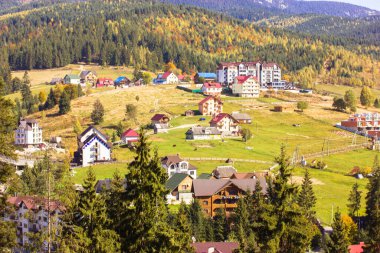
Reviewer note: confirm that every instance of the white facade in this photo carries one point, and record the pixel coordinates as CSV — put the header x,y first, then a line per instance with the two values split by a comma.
x,y
28,133
30,218
93,147
171,79
270,73
249,87
174,164
210,106
226,124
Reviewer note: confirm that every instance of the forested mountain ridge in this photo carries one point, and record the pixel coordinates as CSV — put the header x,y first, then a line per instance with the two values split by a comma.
x,y
284,6
149,34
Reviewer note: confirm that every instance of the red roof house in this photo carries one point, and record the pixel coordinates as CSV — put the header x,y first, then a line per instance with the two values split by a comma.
x,y
210,106
130,136
104,82
160,119
212,89
226,124
215,247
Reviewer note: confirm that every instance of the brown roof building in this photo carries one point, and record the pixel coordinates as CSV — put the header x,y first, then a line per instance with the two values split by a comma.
x,y
224,193
215,247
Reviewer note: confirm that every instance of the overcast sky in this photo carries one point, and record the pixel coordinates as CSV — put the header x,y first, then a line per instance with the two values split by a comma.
x,y
373,4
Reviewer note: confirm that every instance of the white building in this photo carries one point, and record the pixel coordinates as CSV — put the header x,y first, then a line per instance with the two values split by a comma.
x,y
246,86
210,106
270,72
93,146
227,71
28,133
203,133
264,72
166,78
30,214
174,164
226,124
212,89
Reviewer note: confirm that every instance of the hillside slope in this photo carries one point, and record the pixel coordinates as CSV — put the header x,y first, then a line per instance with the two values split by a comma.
x,y
148,35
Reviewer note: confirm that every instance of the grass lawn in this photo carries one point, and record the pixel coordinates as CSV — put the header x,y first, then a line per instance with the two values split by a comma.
x,y
101,171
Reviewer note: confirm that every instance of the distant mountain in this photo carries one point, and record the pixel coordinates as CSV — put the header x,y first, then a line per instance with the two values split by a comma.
x,y
284,7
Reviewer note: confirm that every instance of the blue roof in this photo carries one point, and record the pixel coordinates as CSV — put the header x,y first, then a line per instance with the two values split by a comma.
x,y
207,75
120,78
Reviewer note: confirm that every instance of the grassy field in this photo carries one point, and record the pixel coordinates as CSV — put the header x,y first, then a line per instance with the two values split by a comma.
x,y
270,130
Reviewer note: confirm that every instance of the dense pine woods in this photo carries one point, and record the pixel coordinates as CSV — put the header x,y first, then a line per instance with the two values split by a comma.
x,y
148,35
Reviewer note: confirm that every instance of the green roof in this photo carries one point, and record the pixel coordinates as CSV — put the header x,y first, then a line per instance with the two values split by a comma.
x,y
175,180
73,76
204,176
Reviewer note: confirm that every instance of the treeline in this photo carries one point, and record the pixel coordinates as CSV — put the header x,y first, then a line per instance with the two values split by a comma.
x,y
149,35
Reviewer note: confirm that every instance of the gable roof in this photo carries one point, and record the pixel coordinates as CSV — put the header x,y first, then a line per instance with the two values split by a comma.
x,y
130,133
89,129
243,175
72,76
121,78
84,73
221,116
166,74
35,203
208,98
224,171
207,75
103,184
212,85
158,117
175,180
174,159
201,130
220,247
241,116
208,187
243,79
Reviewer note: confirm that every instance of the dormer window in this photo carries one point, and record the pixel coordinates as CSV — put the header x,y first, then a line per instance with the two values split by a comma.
x,y
183,166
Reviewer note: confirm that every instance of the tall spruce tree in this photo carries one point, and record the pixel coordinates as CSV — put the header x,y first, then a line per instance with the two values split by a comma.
x,y
97,114
354,201
220,225
306,197
197,220
64,103
373,208
338,241
182,225
50,101
146,225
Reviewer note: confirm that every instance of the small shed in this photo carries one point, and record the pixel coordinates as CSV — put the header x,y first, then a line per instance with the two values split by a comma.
x,y
161,128
281,108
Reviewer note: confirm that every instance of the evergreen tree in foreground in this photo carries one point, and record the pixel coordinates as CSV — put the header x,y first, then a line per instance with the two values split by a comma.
x,y
373,208
306,197
146,220
338,241
354,201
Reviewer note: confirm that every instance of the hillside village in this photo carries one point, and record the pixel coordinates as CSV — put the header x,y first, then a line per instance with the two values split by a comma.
x,y
153,126
223,185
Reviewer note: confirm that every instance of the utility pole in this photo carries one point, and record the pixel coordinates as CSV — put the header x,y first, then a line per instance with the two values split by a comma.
x,y
49,225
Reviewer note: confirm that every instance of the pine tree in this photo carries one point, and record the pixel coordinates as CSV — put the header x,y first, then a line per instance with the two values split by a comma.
x,y
97,114
197,220
182,225
64,103
50,101
26,79
373,207
338,241
376,103
354,201
146,225
119,129
220,225
306,197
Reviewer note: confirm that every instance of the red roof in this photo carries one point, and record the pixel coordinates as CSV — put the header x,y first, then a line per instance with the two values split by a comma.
x,y
34,203
166,74
269,64
242,79
130,133
181,77
221,116
158,117
212,85
357,248
222,247
208,98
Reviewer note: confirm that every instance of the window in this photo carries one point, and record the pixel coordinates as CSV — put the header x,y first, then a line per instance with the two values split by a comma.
x,y
45,219
184,187
191,172
25,225
205,202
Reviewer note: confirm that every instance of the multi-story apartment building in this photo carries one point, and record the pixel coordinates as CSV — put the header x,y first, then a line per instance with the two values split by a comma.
x,y
31,215
210,106
270,73
28,133
246,86
264,72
